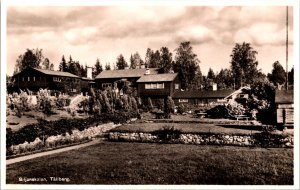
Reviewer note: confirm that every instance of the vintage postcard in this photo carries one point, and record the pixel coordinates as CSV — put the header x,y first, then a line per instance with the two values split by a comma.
x,y
150,95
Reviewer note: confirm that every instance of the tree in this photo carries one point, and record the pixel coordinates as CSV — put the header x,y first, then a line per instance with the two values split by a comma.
x,y
107,66
291,76
97,68
46,63
148,58
74,67
277,77
63,66
51,67
30,59
224,79
186,64
136,61
165,60
211,74
152,59
243,64
121,62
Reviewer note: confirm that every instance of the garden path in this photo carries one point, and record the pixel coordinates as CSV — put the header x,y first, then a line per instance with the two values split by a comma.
x,y
32,156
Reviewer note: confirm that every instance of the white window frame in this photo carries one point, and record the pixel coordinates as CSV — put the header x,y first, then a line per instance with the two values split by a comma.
x,y
154,86
147,86
183,100
176,86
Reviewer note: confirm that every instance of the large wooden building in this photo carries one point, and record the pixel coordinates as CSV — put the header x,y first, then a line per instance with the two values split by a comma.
x,y
284,100
34,79
200,97
108,78
158,86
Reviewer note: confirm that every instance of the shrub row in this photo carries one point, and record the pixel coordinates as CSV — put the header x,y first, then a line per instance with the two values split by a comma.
x,y
44,129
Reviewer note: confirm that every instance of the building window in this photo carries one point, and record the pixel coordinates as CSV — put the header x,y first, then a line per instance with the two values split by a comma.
x,y
28,79
57,79
105,85
183,100
23,79
154,86
33,78
176,86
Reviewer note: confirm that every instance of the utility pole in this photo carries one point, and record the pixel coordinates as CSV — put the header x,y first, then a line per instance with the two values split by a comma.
x,y
287,46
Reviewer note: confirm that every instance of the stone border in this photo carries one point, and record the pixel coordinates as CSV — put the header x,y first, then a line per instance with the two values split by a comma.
x,y
207,139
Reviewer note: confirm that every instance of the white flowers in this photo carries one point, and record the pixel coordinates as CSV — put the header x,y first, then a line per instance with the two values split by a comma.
x,y
58,140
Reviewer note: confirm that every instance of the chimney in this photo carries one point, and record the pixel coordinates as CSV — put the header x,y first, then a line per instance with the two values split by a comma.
x,y
147,72
215,87
89,72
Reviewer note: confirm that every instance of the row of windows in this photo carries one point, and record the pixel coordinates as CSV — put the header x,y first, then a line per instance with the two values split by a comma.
x,y
154,86
31,78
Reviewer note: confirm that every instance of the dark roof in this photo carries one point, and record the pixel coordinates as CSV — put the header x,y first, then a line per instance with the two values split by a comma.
x,y
158,77
202,94
54,73
284,96
57,73
125,73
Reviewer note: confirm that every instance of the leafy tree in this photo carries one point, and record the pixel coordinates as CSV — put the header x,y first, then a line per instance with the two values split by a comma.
x,y
46,63
30,59
165,60
121,62
277,77
152,59
224,79
186,64
148,58
243,64
97,68
291,76
63,66
107,66
136,61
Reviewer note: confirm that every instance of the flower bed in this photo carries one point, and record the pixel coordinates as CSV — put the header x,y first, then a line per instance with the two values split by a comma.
x,y
48,134
51,142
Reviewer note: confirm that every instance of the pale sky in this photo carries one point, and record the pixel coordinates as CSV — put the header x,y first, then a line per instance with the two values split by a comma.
x,y
88,33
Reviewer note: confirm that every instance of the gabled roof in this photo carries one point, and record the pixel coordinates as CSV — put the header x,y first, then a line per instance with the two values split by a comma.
x,y
53,73
125,73
57,73
158,77
284,96
202,94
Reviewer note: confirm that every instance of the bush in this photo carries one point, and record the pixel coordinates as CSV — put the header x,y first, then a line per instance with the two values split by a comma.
x,y
167,134
181,109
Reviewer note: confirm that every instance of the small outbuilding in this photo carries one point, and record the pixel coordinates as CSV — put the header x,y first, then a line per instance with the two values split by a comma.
x,y
284,100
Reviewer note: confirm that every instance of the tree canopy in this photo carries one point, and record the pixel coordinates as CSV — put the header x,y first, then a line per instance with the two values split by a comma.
x,y
30,59
277,76
121,62
186,64
243,64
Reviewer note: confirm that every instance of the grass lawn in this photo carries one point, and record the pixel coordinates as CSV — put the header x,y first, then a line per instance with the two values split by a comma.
x,y
141,163
184,127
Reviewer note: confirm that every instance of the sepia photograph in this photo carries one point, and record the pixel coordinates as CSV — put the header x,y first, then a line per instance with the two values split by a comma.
x,y
196,94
